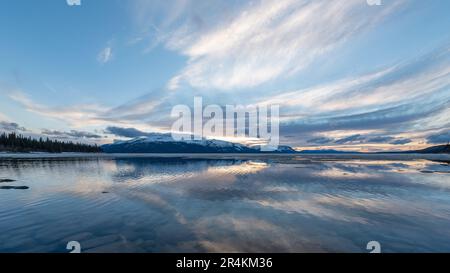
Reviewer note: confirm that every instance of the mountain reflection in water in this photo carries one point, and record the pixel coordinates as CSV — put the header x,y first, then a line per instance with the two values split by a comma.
x,y
184,204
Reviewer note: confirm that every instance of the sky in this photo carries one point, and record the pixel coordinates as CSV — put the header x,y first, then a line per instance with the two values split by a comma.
x,y
346,75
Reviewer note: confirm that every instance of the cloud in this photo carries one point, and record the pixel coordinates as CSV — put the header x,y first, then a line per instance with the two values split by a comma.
x,y
441,138
266,40
71,133
360,139
381,139
401,141
389,140
11,126
3,117
320,140
424,77
412,96
394,121
125,132
141,108
105,55
141,112
75,115
351,139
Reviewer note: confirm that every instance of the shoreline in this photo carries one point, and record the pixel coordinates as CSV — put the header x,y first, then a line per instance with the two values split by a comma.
x,y
336,156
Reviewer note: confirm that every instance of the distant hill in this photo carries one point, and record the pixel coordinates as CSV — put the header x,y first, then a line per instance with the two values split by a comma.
x,y
281,149
326,152
163,143
440,149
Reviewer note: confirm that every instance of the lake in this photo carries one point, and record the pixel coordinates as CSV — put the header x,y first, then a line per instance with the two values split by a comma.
x,y
224,203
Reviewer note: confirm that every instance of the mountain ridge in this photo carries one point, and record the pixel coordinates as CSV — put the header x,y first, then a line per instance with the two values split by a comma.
x,y
164,143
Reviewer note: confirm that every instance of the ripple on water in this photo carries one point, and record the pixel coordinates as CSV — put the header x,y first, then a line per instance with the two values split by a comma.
x,y
215,205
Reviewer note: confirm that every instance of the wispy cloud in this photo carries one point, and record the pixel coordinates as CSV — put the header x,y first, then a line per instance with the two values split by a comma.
x,y
410,97
11,126
401,141
137,113
3,117
267,40
71,133
350,139
75,116
407,97
125,132
360,139
440,138
320,140
105,55
426,76
234,45
381,139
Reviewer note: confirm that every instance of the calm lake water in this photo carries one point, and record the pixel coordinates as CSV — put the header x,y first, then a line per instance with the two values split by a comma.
x,y
229,204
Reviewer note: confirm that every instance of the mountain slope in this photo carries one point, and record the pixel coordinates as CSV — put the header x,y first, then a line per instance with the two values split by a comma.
x,y
163,143
440,149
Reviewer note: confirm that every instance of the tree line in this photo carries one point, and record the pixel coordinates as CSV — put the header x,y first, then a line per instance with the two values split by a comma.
x,y
18,143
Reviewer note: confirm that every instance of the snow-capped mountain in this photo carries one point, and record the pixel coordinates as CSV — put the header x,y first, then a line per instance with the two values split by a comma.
x,y
281,149
164,143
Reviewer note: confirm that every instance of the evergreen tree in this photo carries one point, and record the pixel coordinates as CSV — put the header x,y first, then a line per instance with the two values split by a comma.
x,y
19,143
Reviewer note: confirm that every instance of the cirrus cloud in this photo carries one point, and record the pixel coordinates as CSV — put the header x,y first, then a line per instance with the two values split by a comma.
x,y
105,55
71,133
11,126
440,138
268,40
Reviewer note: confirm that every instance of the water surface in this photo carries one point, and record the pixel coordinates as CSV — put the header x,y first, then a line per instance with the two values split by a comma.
x,y
228,204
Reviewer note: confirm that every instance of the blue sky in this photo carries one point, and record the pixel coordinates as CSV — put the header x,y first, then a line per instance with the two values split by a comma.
x,y
345,74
